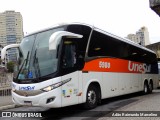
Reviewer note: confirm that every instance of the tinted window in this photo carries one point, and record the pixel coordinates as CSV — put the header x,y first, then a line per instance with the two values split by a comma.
x,y
103,45
107,46
82,30
140,55
69,56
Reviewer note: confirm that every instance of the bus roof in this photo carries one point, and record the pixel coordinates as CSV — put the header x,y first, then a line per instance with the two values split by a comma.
x,y
97,29
124,40
58,25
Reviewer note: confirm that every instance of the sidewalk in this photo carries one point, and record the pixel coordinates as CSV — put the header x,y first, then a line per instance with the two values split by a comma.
x,y
5,90
6,102
148,103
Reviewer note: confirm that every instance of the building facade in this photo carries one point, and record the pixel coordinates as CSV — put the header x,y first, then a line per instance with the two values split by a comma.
x,y
141,37
135,38
11,30
155,6
156,48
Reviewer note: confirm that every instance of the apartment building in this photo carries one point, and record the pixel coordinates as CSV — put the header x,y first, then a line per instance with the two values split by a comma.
x,y
134,38
11,30
141,37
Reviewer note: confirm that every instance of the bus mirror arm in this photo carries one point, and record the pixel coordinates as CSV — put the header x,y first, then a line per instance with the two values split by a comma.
x,y
55,38
4,50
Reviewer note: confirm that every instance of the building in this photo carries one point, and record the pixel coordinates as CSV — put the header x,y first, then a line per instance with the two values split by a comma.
x,y
11,30
134,38
141,37
156,48
144,36
155,6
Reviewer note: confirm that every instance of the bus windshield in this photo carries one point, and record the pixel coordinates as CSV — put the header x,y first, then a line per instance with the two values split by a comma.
x,y
35,60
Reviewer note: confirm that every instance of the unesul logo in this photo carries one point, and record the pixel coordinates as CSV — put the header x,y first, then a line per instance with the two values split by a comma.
x,y
27,88
138,67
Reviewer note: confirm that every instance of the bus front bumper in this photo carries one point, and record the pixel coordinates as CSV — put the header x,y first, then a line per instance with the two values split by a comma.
x,y
51,99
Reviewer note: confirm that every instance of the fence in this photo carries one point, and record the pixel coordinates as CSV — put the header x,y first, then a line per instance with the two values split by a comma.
x,y
5,88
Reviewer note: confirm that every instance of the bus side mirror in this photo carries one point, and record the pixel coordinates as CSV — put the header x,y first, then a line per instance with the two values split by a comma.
x,y
4,50
55,38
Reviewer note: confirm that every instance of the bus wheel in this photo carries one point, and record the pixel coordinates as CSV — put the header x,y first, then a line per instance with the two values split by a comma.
x,y
91,98
150,87
146,88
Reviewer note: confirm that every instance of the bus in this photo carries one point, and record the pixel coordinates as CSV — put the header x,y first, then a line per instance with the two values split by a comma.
x,y
77,63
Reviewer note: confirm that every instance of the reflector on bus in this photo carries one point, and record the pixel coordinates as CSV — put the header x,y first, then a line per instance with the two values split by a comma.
x,y
55,38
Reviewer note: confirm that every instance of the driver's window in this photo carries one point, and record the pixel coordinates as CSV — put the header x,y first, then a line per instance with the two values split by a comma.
x,y
69,56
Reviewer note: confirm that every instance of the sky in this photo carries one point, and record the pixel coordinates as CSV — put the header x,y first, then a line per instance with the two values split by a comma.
x,y
120,17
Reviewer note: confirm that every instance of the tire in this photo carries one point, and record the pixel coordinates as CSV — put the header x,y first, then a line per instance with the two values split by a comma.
x,y
150,86
146,88
91,98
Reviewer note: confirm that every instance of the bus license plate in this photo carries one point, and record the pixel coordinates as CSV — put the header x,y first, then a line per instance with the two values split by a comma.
x,y
28,103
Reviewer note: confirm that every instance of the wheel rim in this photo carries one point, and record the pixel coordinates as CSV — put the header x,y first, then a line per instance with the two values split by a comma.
x,y
92,97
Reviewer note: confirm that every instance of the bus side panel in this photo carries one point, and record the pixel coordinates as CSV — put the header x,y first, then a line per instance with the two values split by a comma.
x,y
115,84
80,86
70,89
124,83
109,84
136,82
156,81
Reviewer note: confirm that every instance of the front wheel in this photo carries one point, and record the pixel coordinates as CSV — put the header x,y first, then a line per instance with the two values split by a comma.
x,y
91,98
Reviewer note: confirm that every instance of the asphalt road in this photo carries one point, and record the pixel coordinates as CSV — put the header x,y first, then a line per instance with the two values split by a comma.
x,y
131,102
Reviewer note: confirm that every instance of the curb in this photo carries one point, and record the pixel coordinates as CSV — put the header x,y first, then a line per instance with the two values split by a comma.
x,y
7,107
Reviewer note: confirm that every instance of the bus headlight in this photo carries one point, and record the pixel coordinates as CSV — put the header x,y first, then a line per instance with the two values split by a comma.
x,y
51,87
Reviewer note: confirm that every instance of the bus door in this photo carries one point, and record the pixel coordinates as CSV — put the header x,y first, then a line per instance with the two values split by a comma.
x,y
70,73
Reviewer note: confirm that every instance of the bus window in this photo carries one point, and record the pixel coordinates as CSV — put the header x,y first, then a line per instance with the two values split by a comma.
x,y
69,58
107,46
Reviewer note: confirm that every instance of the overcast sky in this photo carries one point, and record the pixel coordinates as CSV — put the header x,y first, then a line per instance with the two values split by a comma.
x,y
120,17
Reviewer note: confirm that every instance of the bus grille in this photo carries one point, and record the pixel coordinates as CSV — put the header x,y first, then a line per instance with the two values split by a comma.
x,y
28,93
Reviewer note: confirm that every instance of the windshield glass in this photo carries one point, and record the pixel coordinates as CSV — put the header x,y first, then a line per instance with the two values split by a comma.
x,y
35,60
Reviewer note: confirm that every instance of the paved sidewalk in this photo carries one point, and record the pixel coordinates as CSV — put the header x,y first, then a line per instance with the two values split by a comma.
x,y
6,102
148,103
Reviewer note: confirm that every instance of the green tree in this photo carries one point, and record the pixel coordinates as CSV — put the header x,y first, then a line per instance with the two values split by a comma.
x,y
10,66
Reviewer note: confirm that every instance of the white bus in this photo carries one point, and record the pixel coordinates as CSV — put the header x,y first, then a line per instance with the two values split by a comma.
x,y
77,63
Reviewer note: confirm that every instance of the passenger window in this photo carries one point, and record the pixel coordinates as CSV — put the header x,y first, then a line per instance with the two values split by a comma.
x,y
104,45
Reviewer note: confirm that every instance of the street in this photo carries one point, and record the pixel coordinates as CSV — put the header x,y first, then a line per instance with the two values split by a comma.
x,y
131,102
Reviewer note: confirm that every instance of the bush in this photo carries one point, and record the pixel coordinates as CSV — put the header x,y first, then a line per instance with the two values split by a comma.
x,y
10,66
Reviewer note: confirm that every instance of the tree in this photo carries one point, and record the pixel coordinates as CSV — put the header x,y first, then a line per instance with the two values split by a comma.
x,y
10,66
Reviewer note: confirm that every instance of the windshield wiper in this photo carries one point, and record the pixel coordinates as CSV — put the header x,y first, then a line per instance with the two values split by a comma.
x,y
36,65
25,61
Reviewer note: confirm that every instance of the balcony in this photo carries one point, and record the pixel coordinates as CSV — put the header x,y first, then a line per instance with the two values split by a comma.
x,y
155,6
